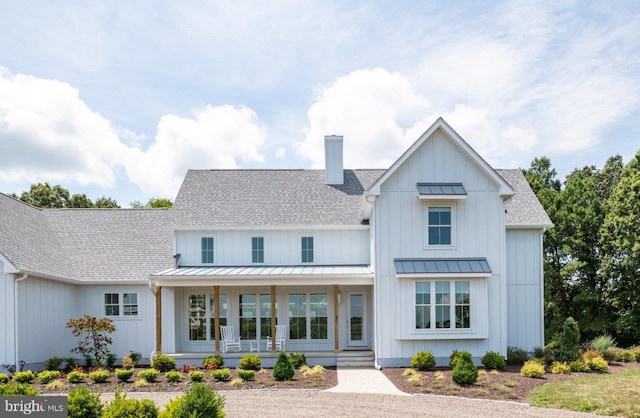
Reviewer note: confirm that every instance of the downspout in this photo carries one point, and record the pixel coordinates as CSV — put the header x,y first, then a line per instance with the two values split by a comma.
x,y
15,320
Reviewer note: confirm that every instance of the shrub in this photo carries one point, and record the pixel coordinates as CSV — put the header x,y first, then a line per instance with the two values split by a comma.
x,y
130,408
589,354
636,353
48,376
135,357
516,355
81,403
94,339
149,375
560,368
246,374
111,360
173,376
297,360
212,362
312,371
626,356
532,368
127,363
453,358
140,383
568,341
250,362
199,402
99,376
71,363
603,342
196,376
493,360
4,378
124,375
423,360
24,377
55,384
163,363
221,375
546,353
283,370
578,366
611,354
464,372
53,363
598,363
76,377
18,389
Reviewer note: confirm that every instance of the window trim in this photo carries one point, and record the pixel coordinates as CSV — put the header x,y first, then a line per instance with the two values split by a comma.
x,y
451,303
308,317
121,305
453,207
313,249
213,250
209,315
257,251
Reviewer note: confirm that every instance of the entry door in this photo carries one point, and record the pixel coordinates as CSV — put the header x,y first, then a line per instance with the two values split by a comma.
x,y
356,324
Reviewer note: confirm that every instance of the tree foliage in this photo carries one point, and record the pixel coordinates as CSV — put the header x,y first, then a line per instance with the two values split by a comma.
x,y
161,202
94,337
45,196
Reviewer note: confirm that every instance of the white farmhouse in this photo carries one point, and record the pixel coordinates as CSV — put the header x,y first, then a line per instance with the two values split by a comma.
x,y
440,252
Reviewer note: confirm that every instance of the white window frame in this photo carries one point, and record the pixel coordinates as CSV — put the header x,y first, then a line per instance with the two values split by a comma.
x,y
315,247
256,251
451,303
208,317
213,237
452,206
121,305
310,316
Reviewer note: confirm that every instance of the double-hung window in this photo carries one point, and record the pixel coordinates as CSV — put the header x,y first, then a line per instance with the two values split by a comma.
x,y
308,316
121,304
307,249
439,225
206,247
202,316
257,249
443,304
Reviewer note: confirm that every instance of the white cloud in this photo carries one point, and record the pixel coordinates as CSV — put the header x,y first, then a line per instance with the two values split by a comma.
x,y
281,152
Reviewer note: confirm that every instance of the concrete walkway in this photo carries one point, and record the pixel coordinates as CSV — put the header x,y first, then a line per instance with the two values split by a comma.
x,y
364,381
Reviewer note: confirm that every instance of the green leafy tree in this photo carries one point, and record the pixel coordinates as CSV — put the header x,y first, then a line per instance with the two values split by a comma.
x,y
567,348
94,336
621,261
106,202
161,202
42,195
79,201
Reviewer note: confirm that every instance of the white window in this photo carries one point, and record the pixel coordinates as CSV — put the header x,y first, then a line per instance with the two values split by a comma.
x,y
450,308
201,307
121,304
440,226
206,249
253,313
307,249
257,249
308,316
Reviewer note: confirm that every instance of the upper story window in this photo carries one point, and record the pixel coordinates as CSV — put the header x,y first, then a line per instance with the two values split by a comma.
x,y
307,249
207,250
440,226
257,249
121,304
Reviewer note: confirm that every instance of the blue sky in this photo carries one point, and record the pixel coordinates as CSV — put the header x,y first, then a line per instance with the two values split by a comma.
x,y
121,98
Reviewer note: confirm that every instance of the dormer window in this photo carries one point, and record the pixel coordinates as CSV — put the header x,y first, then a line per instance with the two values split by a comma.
x,y
206,247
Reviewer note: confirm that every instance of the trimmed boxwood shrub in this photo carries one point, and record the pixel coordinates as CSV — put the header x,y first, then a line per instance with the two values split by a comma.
x,y
4,378
131,408
23,377
124,375
76,377
246,374
199,402
297,360
18,389
464,372
48,376
54,363
516,355
532,368
163,363
283,370
212,362
196,376
173,376
221,375
99,376
149,375
81,403
493,360
250,362
423,360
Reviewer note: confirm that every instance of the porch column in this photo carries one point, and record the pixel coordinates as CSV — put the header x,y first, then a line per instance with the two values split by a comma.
x,y
158,319
273,318
216,321
336,308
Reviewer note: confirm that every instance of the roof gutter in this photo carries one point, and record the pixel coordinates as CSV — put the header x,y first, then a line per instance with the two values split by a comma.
x,y
15,321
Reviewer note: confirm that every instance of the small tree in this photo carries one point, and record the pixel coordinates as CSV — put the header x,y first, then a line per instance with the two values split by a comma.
x,y
283,370
464,372
568,342
94,336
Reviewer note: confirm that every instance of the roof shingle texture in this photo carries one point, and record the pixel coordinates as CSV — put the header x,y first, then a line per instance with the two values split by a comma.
x,y
524,208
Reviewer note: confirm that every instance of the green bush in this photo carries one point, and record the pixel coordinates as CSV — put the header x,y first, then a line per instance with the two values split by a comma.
x,y
149,375
131,408
516,355
54,363
221,375
546,353
173,376
48,376
603,342
611,354
627,356
464,372
124,375
246,374
111,360
493,360
532,368
199,402
99,376
423,360
283,370
598,364
135,357
568,342
196,376
76,377
18,389
453,358
23,377
213,362
297,360
4,378
636,353
81,403
578,366
250,362
163,363
71,363
560,368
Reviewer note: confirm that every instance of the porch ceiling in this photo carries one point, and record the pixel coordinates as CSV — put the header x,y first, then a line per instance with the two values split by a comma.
x,y
265,275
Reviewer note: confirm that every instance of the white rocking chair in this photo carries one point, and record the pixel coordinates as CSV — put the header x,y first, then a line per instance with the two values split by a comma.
x,y
228,339
281,338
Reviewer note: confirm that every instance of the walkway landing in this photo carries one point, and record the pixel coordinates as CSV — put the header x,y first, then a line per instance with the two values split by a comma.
x,y
364,381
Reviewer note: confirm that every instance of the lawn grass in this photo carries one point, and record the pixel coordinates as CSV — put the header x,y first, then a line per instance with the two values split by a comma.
x,y
606,394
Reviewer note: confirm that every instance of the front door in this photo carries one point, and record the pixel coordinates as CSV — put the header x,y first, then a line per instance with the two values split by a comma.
x,y
356,325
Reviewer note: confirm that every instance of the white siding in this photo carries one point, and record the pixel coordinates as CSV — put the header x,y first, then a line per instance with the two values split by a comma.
x,y
525,292
233,248
399,226
7,354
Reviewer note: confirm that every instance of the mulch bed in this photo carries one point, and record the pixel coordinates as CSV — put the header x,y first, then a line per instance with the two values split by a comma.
x,y
263,380
505,384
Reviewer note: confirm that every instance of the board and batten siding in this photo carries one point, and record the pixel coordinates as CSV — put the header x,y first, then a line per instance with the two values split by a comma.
x,y
7,353
400,232
233,248
525,289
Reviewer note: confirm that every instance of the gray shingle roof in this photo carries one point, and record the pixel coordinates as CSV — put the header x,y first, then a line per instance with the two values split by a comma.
x,y
524,208
270,198
441,265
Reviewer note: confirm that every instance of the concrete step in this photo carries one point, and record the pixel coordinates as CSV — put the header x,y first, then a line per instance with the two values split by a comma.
x,y
356,364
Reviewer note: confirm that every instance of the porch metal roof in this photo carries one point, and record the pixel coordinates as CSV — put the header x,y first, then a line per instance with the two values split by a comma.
x,y
420,267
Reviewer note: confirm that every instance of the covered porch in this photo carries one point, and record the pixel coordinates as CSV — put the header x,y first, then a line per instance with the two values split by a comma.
x,y
327,311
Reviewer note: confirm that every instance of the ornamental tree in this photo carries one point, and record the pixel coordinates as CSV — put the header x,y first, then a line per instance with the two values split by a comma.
x,y
93,333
